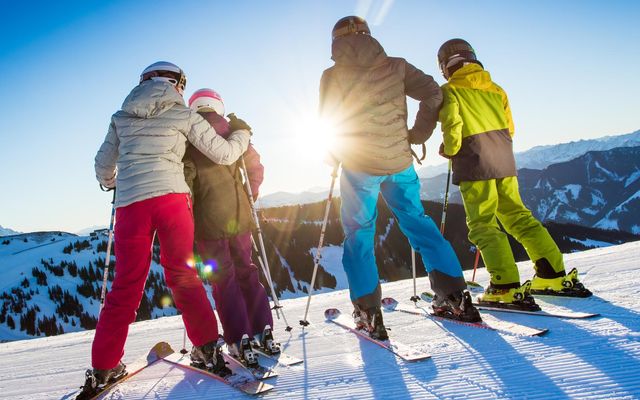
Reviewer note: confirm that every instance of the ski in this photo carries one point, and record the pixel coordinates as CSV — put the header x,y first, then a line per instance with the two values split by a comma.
x,y
403,351
281,358
549,312
157,352
489,322
259,372
246,383
541,313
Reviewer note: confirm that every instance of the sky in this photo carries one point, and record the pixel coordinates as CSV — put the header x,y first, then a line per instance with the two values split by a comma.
x,y
569,67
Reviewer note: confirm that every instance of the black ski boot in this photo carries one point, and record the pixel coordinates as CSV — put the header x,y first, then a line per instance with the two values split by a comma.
x,y
243,352
209,357
97,379
456,306
370,320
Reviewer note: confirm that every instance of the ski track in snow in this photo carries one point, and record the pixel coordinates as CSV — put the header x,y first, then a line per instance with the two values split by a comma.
x,y
578,359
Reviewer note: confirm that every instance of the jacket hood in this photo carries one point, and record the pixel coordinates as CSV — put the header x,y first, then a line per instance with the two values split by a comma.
x,y
357,50
151,98
471,76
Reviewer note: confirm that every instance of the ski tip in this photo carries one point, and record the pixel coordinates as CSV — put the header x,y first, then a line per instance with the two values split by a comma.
x,y
426,296
331,313
389,303
160,350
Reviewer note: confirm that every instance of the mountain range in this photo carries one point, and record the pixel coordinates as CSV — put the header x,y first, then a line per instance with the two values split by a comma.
x,y
539,157
50,282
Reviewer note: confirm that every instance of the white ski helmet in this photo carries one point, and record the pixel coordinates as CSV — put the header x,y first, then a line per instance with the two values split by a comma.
x,y
207,100
167,72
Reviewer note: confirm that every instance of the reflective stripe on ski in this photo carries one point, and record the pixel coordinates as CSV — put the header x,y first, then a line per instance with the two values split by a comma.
x,y
245,383
157,352
489,322
403,351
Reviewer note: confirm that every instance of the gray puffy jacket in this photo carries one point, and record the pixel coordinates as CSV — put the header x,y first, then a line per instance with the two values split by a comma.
x,y
146,142
364,94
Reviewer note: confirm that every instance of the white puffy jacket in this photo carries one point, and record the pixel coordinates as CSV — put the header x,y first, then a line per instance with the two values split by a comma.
x,y
147,139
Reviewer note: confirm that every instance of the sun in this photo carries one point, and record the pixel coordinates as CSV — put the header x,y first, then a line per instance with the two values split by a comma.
x,y
314,135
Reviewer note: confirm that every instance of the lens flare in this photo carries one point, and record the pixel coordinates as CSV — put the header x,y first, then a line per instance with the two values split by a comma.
x,y
166,301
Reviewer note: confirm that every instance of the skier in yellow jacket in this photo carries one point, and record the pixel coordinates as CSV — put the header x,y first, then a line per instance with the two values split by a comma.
x,y
477,136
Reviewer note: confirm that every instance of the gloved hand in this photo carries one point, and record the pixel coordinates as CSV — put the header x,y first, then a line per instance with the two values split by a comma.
x,y
236,123
109,183
442,153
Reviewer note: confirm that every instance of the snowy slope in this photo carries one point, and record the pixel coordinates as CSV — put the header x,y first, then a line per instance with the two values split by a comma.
x,y
581,359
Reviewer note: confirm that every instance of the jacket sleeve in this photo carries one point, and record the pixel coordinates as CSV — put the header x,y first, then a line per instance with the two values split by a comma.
x,y
507,111
423,88
105,160
255,170
451,123
218,149
190,170
328,105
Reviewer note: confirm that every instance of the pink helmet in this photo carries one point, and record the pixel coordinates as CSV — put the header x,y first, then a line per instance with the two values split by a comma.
x,y
207,100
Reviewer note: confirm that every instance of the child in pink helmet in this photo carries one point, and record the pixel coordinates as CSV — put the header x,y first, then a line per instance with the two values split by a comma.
x,y
223,221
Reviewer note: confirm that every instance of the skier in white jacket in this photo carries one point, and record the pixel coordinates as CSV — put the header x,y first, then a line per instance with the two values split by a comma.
x,y
142,156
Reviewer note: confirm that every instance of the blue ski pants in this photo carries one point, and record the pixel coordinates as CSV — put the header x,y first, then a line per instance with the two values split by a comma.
x,y
401,191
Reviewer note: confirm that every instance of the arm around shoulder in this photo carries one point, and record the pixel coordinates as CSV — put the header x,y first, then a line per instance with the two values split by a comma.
x,y
215,147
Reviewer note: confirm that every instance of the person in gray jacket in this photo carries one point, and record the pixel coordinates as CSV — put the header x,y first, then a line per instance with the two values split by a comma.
x,y
142,156
365,96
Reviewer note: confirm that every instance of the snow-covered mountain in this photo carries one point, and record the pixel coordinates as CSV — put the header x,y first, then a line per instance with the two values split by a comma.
x,y
540,157
598,189
289,198
7,231
578,359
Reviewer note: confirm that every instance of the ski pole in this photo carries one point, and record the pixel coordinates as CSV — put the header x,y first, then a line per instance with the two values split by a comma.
x,y
415,297
316,262
446,201
267,272
107,260
475,265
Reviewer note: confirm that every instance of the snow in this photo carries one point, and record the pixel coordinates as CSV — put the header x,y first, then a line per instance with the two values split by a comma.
x,y
331,261
632,178
578,359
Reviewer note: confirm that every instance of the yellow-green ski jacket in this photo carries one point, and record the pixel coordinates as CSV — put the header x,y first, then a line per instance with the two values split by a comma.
x,y
477,126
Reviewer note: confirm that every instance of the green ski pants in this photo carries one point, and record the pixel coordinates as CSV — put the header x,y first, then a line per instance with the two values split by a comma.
x,y
490,201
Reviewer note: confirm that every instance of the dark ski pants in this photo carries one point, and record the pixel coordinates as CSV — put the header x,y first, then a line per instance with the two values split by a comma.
x,y
241,300
401,191
171,218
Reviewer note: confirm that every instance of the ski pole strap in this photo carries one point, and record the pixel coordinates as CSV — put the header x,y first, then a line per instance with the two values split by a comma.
x,y
424,154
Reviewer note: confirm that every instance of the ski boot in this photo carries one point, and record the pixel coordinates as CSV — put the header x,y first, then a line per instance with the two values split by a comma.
x,y
266,343
97,379
568,286
371,321
456,306
209,357
243,352
512,298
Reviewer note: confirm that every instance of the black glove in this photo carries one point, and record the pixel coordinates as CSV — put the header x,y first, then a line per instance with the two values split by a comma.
x,y
441,152
236,123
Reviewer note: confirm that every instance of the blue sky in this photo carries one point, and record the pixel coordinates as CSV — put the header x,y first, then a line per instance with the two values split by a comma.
x,y
570,69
